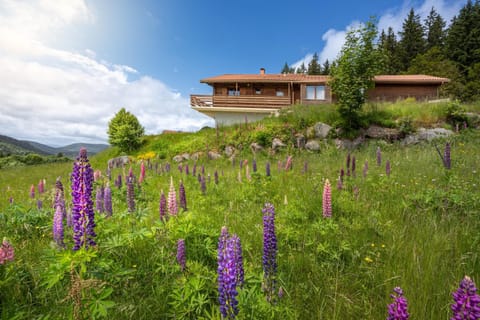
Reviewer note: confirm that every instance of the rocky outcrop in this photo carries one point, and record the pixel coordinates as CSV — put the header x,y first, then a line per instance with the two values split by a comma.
x,y
321,130
426,135
312,145
213,155
229,151
349,144
256,147
277,144
376,132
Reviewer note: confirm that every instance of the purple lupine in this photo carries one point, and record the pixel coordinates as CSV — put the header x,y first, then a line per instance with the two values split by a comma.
x,y
181,257
142,172
118,182
130,192
32,191
365,169
215,177
379,156
107,201
327,200
203,185
254,165
267,169
58,225
269,252
199,178
194,170
99,199
387,168
238,257
447,162
227,276
339,183
163,207
348,164
182,196
39,204
180,168
172,199
167,167
59,199
342,174
10,200
397,310
187,171
83,216
7,253
354,165
203,169
466,301
241,164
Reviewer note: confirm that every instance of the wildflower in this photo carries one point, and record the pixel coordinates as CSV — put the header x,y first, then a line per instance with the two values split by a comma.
x,y
339,183
180,168
281,292
181,258
99,199
446,157
327,200
354,165
342,174
39,204
107,201
142,172
130,192
368,260
254,165
97,174
194,171
163,206
32,191
397,310
379,156
58,225
118,182
6,252
203,185
215,176
187,171
269,251
387,168
227,276
167,167
59,199
267,169
466,301
10,200
238,258
41,186
172,199
348,164
288,164
82,211
182,196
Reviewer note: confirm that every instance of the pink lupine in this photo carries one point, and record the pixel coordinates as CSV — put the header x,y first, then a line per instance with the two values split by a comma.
x,y
6,252
327,200
142,172
32,191
172,199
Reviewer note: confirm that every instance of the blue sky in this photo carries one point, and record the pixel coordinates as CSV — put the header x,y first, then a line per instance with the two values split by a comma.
x,y
66,67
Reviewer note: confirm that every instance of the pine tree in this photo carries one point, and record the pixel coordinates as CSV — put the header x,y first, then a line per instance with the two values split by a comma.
x,y
463,37
326,67
435,30
412,41
285,69
389,47
301,69
314,67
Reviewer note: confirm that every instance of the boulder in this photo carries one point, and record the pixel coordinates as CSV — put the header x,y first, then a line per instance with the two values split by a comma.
x,y
435,133
229,151
178,158
321,130
213,155
377,132
349,144
312,145
186,156
277,144
196,155
255,147
410,139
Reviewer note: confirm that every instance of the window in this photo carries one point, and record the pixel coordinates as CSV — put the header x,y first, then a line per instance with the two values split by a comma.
x,y
279,93
258,91
315,93
233,92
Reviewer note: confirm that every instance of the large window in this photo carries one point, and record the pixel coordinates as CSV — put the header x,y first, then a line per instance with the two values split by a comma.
x,y
315,93
233,92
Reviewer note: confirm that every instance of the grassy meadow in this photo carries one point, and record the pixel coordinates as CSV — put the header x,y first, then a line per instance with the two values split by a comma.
x,y
416,228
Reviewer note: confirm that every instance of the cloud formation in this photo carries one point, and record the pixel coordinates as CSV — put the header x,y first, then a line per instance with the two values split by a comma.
x,y
55,96
334,39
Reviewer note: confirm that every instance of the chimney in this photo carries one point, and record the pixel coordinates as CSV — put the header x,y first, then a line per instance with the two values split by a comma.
x,y
262,71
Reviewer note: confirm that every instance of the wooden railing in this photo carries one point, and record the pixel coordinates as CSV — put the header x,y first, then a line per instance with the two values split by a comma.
x,y
253,101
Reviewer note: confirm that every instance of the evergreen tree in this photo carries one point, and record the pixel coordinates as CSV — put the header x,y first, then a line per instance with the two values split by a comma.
x,y
301,69
124,131
435,30
285,69
463,37
314,67
389,47
326,67
412,41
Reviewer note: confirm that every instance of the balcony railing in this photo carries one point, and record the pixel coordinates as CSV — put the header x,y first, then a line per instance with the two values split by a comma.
x,y
253,101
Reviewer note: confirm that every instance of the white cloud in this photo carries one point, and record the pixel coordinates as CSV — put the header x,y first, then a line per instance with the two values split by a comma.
x,y
334,39
56,96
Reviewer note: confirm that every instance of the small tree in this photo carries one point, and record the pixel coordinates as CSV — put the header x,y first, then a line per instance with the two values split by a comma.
x,y
353,73
124,131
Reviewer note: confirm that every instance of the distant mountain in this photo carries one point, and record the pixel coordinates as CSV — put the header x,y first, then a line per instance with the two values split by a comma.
x,y
9,146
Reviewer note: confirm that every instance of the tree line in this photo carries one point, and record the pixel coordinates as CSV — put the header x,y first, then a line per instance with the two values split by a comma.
x,y
428,47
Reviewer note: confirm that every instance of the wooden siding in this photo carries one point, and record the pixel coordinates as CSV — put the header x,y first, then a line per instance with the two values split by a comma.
x,y
394,92
252,101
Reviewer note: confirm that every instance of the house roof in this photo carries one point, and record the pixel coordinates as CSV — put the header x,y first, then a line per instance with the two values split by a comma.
x,y
303,78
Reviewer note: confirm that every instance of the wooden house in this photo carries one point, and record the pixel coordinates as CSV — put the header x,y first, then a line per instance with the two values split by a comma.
x,y
240,97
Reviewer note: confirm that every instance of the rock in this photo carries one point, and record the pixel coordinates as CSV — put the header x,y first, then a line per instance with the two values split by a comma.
x,y
410,139
186,156
312,145
229,151
349,144
255,147
213,155
196,155
118,162
277,144
435,133
178,158
321,130
300,140
377,132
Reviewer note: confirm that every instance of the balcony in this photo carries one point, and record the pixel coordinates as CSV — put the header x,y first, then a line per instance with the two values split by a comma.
x,y
250,101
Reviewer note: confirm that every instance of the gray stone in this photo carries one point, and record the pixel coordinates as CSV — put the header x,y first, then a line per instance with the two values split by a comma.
x,y
321,130
377,132
178,158
312,145
410,139
229,151
186,156
213,155
277,144
435,133
255,147
118,162
195,156
349,144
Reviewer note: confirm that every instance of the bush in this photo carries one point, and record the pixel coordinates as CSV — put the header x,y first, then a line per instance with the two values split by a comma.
x,y
124,131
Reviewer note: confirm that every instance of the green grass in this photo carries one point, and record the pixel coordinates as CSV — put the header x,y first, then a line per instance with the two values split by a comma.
x,y
417,228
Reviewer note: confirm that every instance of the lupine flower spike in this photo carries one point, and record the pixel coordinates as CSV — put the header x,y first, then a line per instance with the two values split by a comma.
x,y
354,165
142,172
99,199
447,162
58,225
379,156
327,200
397,310
269,252
182,196
107,201
83,217
32,191
163,207
130,192
172,199
215,176
466,303
254,165
267,169
6,252
181,258
39,204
